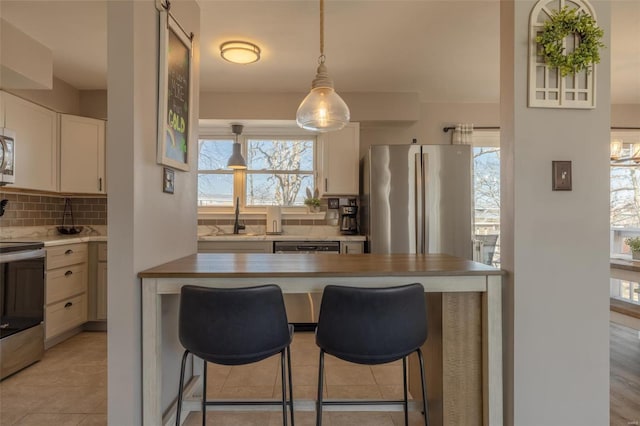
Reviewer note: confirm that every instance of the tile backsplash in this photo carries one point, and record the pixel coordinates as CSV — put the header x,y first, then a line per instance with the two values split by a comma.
x,y
46,210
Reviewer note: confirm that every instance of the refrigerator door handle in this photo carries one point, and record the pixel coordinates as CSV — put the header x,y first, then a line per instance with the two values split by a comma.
x,y
419,203
425,203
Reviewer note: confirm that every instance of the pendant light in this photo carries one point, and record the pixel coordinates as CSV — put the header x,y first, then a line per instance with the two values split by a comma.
x,y
236,161
323,110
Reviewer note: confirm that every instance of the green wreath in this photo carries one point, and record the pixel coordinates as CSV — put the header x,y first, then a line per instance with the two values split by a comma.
x,y
561,24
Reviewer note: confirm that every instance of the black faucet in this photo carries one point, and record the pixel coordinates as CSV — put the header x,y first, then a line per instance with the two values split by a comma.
x,y
237,227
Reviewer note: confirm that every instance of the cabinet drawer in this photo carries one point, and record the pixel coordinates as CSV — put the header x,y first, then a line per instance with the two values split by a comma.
x,y
102,252
65,315
66,282
70,254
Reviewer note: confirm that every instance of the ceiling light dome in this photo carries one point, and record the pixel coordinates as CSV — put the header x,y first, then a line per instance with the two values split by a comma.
x,y
239,52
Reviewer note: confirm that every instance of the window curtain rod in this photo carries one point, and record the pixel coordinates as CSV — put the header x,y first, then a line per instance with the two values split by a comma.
x,y
446,129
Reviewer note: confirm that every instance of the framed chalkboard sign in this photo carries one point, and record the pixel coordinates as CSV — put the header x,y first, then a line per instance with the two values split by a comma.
x,y
174,94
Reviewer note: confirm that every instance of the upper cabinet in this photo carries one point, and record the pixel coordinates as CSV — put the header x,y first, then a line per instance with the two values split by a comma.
x,y
340,152
36,143
82,155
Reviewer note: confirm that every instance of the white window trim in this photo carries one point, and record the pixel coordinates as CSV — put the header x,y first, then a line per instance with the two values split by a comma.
x,y
239,176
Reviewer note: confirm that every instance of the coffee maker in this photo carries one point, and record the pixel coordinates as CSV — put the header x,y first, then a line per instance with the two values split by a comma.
x,y
349,220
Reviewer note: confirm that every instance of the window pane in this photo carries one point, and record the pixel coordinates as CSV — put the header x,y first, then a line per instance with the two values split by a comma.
x,y
625,196
486,179
215,189
283,154
214,154
265,189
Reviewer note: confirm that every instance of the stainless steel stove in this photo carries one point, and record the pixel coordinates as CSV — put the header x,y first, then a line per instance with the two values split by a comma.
x,y
22,269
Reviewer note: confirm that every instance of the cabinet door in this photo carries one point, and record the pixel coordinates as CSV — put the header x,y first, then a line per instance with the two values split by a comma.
x,y
235,247
351,247
82,155
340,161
101,292
36,146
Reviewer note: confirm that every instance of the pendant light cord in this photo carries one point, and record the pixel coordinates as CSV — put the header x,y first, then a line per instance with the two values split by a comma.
x,y
321,58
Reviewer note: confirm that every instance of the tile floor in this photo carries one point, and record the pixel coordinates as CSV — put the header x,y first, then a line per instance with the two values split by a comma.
x,y
68,387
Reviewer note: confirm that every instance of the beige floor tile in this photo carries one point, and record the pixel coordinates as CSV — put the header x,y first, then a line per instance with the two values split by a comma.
x,y
351,374
244,392
393,392
51,419
261,373
9,417
387,374
302,418
355,419
94,420
354,392
415,418
216,377
221,418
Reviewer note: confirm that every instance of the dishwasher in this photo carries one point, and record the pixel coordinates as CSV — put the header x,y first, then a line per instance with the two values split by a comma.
x,y
303,308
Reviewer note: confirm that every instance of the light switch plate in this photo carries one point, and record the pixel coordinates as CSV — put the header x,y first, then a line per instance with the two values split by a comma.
x,y
561,175
168,180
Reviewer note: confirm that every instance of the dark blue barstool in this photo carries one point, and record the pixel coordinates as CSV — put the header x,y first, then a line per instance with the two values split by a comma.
x,y
372,326
235,326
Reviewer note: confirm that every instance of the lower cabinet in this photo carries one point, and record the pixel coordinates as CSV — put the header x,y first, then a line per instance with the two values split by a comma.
x,y
66,288
235,246
351,247
98,281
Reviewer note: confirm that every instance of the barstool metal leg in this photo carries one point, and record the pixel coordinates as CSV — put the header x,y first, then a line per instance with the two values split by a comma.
x,y
290,383
284,388
424,389
204,393
319,400
184,360
404,382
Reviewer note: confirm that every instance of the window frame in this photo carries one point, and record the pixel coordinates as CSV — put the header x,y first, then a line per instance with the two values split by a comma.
x,y
240,176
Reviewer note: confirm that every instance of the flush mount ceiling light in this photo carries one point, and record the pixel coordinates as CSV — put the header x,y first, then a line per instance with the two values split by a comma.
x,y
239,52
236,161
323,110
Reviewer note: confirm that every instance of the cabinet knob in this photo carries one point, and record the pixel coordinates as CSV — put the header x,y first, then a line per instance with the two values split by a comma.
x,y
68,305
68,252
100,184
66,274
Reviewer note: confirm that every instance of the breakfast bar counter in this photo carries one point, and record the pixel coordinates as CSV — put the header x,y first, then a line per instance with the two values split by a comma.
x,y
464,300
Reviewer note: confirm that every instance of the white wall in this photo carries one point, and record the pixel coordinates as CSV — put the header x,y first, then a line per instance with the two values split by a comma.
x,y
146,226
554,243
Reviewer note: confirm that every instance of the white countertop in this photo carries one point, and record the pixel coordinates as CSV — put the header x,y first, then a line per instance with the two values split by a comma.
x,y
281,237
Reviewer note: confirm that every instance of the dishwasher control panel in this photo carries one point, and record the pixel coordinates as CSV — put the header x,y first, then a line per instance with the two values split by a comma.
x,y
306,247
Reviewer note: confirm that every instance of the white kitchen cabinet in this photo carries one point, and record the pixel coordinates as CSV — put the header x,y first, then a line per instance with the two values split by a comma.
x,y
351,247
66,289
340,156
36,143
82,155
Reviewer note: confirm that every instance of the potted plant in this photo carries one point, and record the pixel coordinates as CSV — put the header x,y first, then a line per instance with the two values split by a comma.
x,y
312,201
634,245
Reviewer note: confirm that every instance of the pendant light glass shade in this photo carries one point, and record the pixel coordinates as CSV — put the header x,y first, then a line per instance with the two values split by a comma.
x,y
322,110
236,161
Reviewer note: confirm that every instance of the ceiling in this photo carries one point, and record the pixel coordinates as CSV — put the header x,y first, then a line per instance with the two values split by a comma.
x,y
446,50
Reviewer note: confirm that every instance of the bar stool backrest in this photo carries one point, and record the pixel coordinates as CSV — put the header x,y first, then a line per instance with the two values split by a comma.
x,y
372,325
233,326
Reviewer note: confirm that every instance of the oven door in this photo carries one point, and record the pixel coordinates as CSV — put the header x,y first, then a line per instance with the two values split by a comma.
x,y
21,310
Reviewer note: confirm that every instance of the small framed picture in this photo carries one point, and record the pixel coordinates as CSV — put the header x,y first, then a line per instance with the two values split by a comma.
x,y
561,175
168,180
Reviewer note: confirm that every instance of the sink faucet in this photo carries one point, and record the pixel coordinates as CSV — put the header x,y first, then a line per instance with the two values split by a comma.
x,y
236,225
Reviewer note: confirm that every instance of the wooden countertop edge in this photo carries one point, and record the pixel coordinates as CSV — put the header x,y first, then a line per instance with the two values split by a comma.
x,y
312,265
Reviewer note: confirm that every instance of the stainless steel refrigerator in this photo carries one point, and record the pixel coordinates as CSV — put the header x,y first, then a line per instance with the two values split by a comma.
x,y
418,199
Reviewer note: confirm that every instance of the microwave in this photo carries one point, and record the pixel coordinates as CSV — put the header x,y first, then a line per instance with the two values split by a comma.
x,y
7,156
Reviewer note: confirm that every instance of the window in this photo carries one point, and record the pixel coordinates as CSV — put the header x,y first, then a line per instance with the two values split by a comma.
x,y
625,190
279,169
486,190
